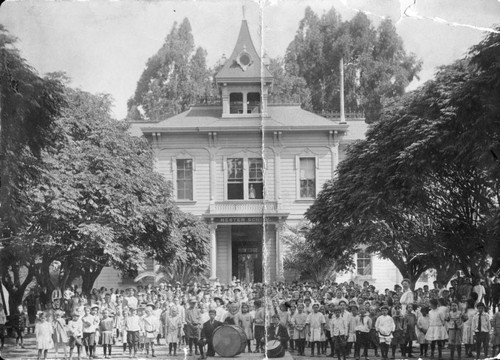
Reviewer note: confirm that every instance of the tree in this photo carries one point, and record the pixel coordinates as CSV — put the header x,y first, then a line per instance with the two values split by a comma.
x,y
377,67
288,88
174,78
425,173
29,105
307,260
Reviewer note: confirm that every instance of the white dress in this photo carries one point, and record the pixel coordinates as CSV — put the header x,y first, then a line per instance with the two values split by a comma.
x,y
43,333
437,329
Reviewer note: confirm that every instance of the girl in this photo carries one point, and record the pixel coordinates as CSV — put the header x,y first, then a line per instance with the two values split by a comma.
x,y
245,321
410,334
437,331
173,328
60,335
422,327
106,330
43,333
455,326
467,333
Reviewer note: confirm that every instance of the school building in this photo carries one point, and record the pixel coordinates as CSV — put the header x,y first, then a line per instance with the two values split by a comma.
x,y
248,167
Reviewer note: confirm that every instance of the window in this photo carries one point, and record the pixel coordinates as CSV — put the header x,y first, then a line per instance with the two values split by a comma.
x,y
255,183
236,103
307,177
253,103
235,179
184,179
244,179
364,264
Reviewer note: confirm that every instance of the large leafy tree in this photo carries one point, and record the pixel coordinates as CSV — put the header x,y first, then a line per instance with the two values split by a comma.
x,y
174,78
425,174
377,68
288,88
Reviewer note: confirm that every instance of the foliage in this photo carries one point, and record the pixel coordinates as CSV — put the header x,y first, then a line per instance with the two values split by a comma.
x,y
377,67
309,261
174,78
288,88
423,186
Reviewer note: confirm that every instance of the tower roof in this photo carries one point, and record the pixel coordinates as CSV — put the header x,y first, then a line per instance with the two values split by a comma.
x,y
244,64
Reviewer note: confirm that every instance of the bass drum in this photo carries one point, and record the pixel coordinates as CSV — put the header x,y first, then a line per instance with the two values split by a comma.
x,y
274,349
229,340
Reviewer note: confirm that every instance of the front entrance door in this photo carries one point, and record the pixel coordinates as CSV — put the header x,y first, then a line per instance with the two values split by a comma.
x,y
247,252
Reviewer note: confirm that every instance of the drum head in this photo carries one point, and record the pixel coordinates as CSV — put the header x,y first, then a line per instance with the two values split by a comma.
x,y
272,344
228,340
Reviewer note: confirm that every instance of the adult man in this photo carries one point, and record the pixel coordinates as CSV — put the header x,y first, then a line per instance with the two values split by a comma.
x,y
207,332
192,321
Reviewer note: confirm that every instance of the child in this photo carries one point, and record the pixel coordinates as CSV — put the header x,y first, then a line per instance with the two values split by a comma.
x,y
293,310
60,335
90,323
315,324
481,326
338,330
363,326
299,325
422,327
172,330
351,328
259,325
106,331
140,314
467,333
374,340
385,327
151,327
399,331
3,320
436,333
122,328
496,332
410,320
19,325
43,333
75,332
245,321
133,327
455,326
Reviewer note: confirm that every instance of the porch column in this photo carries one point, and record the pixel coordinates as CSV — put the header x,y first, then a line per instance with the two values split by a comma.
x,y
279,255
213,251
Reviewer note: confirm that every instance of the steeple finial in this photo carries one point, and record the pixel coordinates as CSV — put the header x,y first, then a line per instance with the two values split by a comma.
x,y
243,8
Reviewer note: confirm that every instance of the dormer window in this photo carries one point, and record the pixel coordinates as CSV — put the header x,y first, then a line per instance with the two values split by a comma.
x,y
236,103
253,103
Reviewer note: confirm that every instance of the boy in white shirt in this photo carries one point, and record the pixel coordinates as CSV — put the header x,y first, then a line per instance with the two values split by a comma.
x,y
385,327
75,332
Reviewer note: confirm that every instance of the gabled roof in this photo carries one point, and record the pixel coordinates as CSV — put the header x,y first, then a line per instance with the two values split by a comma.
x,y
233,72
208,118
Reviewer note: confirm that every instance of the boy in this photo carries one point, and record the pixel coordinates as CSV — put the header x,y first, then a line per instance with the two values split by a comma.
x,y
133,327
90,323
481,327
315,325
207,334
151,327
363,326
385,327
277,331
3,320
75,333
338,330
19,320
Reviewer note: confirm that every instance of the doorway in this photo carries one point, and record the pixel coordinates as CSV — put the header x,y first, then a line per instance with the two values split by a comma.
x,y
247,252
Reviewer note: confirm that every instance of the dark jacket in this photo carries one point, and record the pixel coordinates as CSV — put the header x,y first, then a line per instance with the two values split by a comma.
x,y
207,330
281,334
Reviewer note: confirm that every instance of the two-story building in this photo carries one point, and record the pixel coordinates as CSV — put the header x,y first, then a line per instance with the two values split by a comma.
x,y
248,167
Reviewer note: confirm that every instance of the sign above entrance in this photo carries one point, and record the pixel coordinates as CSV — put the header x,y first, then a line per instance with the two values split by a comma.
x,y
246,219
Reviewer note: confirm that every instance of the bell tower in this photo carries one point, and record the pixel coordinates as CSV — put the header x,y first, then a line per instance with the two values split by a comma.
x,y
244,80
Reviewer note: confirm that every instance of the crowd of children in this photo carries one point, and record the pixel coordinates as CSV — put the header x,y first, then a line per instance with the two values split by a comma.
x,y
327,319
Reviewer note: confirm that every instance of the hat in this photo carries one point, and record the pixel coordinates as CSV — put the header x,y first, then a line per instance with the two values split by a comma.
x,y
220,299
337,308
94,307
480,304
151,305
405,280
193,300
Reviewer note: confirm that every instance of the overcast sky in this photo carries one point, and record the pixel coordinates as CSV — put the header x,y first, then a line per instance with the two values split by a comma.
x,y
103,45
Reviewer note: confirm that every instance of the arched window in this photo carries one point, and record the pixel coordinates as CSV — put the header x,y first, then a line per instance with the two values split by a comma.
x,y
364,264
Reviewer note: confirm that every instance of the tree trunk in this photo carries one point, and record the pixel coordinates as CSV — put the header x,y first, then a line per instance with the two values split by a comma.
x,y
89,277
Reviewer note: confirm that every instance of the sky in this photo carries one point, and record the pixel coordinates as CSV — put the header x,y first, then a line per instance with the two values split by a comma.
x,y
103,45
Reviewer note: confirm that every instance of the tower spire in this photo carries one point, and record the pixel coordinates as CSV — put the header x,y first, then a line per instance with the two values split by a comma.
x,y
243,9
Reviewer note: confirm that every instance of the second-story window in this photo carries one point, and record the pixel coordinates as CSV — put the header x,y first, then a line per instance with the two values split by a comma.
x,y
235,179
236,103
184,179
253,103
255,180
307,178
